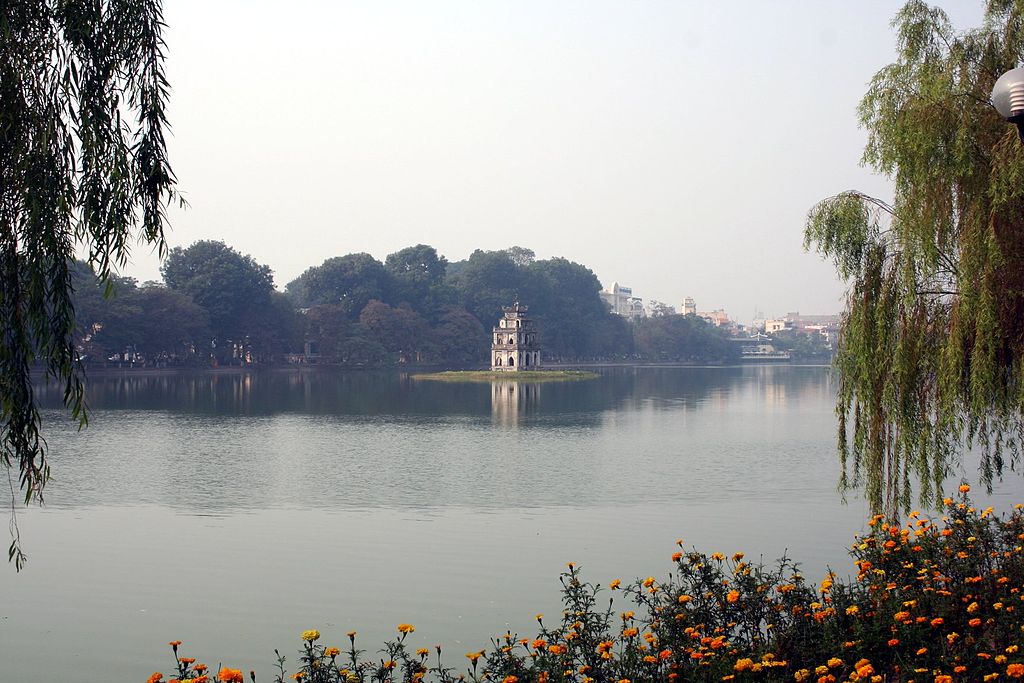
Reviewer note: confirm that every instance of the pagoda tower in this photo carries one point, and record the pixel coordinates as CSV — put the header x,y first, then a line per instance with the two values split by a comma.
x,y
514,344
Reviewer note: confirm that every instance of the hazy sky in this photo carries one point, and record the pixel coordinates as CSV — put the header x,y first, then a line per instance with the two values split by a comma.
x,y
673,146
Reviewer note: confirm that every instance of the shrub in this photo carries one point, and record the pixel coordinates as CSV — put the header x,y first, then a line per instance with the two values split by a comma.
x,y
933,600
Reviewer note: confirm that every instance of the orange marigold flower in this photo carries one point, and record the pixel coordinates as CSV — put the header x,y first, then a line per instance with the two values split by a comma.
x,y
615,584
558,649
1015,670
893,642
937,621
187,660
676,557
834,663
733,596
683,599
744,664
155,678
333,652
406,628
473,656
943,678
539,644
965,488
510,679
174,643
648,582
975,622
230,676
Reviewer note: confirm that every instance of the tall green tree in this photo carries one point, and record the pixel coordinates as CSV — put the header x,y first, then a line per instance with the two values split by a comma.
x,y
233,288
931,352
349,281
83,164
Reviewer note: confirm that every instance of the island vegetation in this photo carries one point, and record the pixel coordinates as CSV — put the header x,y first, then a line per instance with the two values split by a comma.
x,y
218,305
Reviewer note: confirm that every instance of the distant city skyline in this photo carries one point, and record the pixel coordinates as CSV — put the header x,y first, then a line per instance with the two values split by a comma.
x,y
672,147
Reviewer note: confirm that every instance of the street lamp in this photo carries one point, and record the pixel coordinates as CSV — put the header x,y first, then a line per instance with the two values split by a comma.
x,y
1008,98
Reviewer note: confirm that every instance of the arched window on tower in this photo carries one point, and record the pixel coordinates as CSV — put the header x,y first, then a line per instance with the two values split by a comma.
x,y
526,360
511,361
497,360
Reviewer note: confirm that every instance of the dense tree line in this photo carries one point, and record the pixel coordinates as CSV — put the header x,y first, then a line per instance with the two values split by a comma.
x,y
216,305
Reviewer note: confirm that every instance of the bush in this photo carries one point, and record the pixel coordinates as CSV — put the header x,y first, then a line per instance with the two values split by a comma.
x,y
933,600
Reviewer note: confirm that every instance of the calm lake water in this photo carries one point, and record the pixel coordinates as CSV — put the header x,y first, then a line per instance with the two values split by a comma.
x,y
232,511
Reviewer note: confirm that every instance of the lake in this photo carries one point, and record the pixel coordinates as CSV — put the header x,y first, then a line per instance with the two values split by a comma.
x,y
234,510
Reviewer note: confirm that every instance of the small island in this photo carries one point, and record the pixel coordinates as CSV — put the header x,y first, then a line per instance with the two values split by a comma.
x,y
520,376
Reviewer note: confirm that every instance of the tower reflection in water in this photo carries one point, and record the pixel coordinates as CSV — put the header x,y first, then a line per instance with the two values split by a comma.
x,y
512,401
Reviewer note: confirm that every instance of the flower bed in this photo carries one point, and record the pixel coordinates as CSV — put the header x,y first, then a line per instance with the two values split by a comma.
x,y
933,600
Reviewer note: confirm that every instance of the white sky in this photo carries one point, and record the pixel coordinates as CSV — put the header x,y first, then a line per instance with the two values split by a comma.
x,y
673,146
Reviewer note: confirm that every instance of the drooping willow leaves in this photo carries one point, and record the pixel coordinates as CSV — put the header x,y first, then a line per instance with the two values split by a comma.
x,y
931,344
83,164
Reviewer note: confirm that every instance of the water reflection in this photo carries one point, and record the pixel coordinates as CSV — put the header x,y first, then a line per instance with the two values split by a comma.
x,y
511,401
326,392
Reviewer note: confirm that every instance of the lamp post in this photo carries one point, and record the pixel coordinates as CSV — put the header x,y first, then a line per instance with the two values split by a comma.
x,y
1008,98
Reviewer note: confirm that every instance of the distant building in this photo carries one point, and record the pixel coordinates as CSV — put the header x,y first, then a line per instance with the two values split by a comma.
x,y
622,301
773,325
514,344
718,317
689,307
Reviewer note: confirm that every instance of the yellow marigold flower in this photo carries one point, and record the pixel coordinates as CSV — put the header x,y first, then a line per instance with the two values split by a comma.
x,y
423,652
310,635
683,599
226,675
834,663
615,584
718,556
852,610
390,664
743,664
626,616
558,649
821,670
648,582
801,675
406,628
473,656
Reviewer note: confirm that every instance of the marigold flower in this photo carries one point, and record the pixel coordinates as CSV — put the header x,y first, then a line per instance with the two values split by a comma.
x,y
834,663
510,679
174,644
676,557
733,596
332,652
187,660
310,635
473,656
615,584
406,628
683,599
965,488
557,649
1015,670
743,664
937,621
893,642
801,675
943,678
648,582
155,678
230,676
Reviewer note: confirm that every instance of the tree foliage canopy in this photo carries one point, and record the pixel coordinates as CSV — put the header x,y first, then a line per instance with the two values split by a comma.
x,y
930,355
82,164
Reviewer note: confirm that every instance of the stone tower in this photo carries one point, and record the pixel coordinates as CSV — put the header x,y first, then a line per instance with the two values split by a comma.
x,y
514,344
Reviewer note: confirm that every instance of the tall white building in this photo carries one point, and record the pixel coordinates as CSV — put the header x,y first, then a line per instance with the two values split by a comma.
x,y
622,301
